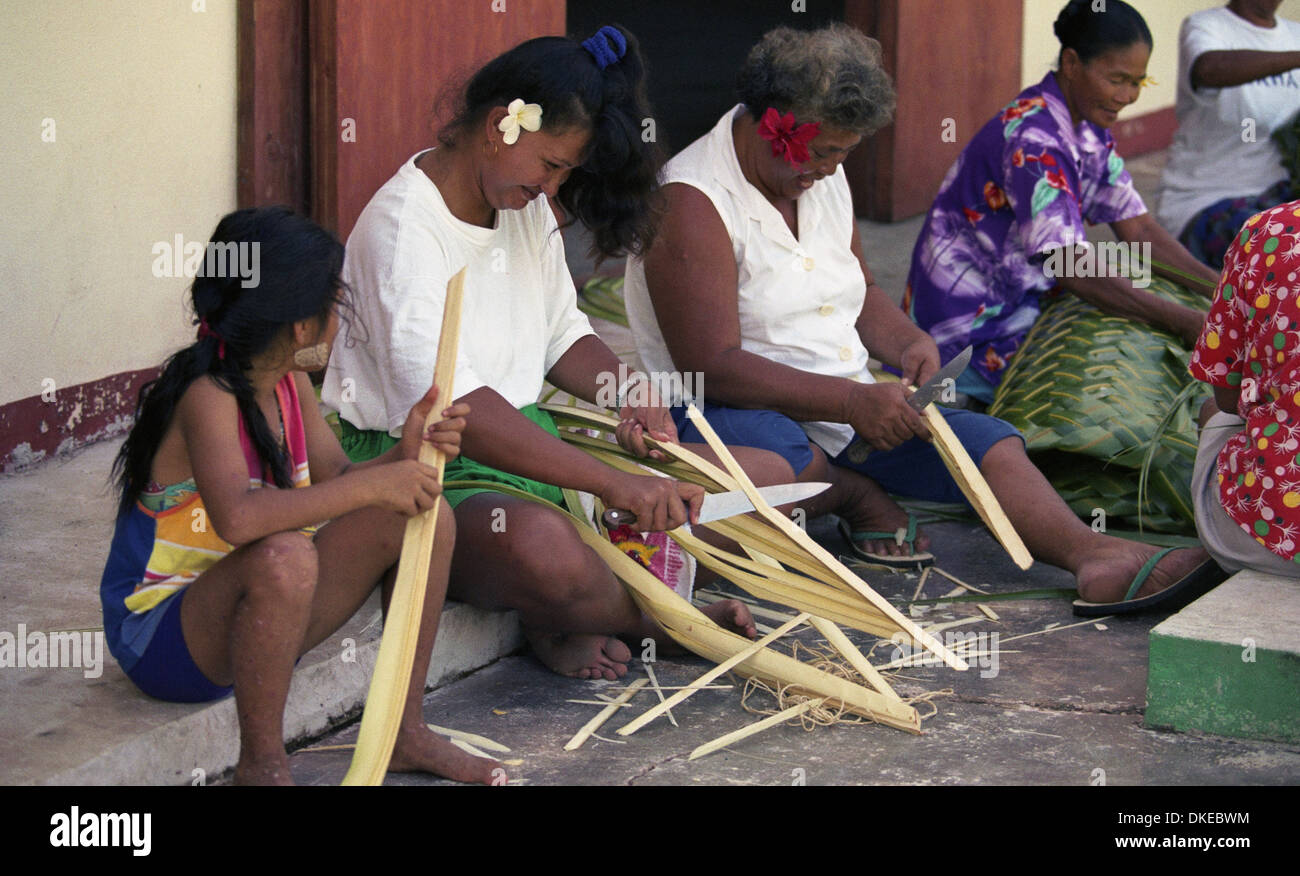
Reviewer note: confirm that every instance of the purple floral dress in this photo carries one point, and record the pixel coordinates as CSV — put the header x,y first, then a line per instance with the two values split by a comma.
x,y
1023,187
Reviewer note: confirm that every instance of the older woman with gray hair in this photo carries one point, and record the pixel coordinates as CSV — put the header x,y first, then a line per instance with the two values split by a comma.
x,y
757,280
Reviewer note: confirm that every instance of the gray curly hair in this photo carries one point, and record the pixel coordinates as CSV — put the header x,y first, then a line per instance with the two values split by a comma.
x,y
831,75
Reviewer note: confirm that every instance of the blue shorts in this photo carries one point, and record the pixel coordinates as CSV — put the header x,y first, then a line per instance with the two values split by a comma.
x,y
912,469
166,670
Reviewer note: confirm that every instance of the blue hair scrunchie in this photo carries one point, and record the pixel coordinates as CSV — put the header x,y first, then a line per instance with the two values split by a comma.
x,y
599,46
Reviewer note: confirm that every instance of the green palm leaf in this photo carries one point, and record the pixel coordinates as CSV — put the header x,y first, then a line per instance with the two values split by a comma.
x,y
1108,411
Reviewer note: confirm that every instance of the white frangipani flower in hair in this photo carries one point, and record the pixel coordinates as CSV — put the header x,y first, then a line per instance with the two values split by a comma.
x,y
519,115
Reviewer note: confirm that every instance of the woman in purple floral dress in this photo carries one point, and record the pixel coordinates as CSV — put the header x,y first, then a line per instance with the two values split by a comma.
x,y
1008,223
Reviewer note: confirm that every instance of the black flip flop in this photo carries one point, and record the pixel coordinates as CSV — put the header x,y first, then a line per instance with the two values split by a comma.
x,y
1195,583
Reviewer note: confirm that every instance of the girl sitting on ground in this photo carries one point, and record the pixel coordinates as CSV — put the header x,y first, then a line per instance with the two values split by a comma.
x,y
218,579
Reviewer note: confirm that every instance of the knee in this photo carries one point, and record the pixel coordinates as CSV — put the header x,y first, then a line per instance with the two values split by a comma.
x,y
557,566
764,467
283,565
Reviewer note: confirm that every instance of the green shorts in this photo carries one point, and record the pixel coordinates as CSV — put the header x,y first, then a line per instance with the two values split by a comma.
x,y
364,444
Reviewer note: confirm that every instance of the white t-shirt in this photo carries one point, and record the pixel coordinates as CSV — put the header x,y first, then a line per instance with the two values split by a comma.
x,y
1209,160
798,298
519,314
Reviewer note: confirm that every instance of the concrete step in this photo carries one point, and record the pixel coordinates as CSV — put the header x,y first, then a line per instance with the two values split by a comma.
x,y
90,725
1229,663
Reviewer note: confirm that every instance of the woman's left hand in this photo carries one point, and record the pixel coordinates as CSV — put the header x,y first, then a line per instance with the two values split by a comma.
x,y
637,422
920,361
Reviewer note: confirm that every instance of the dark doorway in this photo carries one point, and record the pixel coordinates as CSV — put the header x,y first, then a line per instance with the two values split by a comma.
x,y
693,50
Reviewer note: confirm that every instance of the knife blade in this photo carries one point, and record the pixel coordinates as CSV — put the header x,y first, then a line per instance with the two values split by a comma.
x,y
720,505
919,400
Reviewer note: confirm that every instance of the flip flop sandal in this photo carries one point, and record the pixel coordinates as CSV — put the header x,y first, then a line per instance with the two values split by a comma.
x,y
901,536
1195,583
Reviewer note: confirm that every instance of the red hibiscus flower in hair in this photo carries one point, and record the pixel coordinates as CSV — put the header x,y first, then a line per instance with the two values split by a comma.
x,y
994,196
787,137
972,216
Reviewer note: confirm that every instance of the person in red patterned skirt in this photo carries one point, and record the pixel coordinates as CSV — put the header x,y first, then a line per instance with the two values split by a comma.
x,y
1246,483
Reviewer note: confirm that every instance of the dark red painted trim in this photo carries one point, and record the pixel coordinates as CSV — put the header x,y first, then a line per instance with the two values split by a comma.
x,y
37,428
1146,133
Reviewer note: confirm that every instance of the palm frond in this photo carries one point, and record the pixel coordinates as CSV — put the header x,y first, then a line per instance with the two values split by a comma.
x,y
1108,411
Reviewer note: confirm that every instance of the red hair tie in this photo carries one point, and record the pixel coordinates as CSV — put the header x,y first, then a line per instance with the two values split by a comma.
x,y
206,331
785,136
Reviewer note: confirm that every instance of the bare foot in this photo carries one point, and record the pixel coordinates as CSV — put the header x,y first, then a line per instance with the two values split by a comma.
x,y
267,771
582,655
876,511
1106,576
732,615
423,751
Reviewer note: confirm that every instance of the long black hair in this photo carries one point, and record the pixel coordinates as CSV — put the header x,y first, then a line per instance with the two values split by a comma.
x,y
613,193
1092,33
296,276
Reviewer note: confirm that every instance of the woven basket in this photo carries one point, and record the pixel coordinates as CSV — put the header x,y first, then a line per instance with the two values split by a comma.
x,y
1095,397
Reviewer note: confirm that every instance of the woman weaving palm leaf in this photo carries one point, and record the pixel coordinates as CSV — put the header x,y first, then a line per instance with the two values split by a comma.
x,y
1006,236
757,280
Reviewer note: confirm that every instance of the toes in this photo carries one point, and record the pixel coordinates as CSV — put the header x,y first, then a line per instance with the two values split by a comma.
x,y
616,651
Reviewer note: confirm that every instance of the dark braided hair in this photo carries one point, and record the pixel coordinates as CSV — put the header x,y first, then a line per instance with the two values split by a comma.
x,y
613,192
298,277
1091,33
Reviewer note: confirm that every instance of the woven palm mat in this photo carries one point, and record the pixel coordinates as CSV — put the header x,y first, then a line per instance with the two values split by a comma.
x,y
1094,395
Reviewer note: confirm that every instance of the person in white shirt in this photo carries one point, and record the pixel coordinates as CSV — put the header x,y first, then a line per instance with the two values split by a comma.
x,y
550,122
1238,82
757,280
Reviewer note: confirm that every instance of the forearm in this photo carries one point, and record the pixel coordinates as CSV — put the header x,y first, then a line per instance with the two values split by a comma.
x,y
1224,69
499,436
741,379
885,330
1117,296
1175,262
266,511
585,368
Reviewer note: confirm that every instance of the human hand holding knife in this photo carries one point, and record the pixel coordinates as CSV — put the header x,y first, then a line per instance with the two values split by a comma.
x,y
921,398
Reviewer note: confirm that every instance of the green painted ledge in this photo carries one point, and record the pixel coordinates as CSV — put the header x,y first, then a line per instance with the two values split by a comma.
x,y
1229,663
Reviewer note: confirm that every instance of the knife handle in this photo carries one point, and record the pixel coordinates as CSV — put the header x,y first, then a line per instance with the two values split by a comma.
x,y
616,517
859,450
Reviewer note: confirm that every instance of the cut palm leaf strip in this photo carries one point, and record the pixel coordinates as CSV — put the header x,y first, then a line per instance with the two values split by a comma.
x,y
802,540
654,683
604,715
973,486
829,589
699,683
693,630
472,738
743,732
1036,593
393,666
